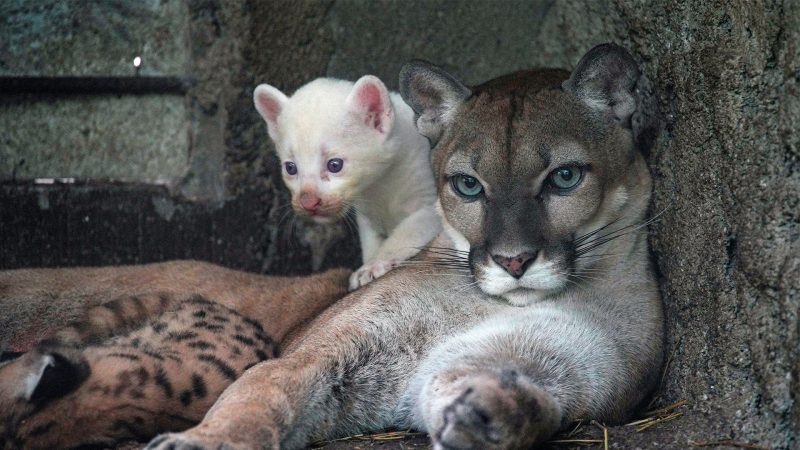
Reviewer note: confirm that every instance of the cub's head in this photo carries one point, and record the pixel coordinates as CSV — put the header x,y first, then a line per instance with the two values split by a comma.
x,y
329,137
31,389
534,169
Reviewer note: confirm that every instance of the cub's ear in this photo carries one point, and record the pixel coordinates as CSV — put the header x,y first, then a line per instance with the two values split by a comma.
x,y
270,102
40,376
604,80
369,101
433,94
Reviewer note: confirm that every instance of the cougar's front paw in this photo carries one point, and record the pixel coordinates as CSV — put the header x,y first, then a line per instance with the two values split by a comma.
x,y
497,411
180,441
230,434
372,271
174,441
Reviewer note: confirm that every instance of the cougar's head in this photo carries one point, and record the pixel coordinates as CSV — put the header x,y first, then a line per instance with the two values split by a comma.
x,y
534,169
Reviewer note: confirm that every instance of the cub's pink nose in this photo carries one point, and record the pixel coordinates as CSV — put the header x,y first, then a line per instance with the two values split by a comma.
x,y
515,265
309,202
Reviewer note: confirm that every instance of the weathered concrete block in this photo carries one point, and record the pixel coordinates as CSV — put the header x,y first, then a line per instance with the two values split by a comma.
x,y
53,37
132,138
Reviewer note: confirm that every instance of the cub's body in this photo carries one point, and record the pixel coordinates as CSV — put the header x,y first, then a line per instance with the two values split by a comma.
x,y
353,146
162,376
149,362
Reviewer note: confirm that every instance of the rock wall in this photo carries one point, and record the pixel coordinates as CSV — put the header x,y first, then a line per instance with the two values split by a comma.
x,y
722,76
726,77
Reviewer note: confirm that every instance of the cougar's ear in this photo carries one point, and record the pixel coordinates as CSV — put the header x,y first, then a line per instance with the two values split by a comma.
x,y
270,102
433,94
369,101
47,375
604,80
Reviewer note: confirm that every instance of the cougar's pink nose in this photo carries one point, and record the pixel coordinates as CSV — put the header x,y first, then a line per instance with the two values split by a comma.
x,y
309,201
515,265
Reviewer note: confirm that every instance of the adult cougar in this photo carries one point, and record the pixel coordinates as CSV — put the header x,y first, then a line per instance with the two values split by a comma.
x,y
536,306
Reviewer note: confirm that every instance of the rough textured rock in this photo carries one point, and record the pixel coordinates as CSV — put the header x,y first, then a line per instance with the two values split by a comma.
x,y
724,77
727,188
727,179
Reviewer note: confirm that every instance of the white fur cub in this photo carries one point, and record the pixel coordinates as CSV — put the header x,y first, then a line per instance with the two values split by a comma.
x,y
346,145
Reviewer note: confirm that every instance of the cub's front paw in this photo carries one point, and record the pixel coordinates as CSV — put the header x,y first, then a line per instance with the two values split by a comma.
x,y
497,411
372,271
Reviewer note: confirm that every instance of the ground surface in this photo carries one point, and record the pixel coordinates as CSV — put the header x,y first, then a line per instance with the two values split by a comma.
x,y
670,427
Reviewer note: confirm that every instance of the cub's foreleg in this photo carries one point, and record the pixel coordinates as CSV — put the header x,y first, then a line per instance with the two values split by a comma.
x,y
405,241
36,302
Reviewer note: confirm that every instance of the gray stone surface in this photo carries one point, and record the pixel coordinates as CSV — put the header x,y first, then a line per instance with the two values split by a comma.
x,y
85,37
131,138
108,137
727,176
479,40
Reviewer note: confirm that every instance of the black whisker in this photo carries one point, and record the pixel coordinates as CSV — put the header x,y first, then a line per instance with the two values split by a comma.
x,y
447,254
584,247
597,243
452,250
578,240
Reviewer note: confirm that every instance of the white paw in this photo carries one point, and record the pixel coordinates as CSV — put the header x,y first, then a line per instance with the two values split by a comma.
x,y
372,271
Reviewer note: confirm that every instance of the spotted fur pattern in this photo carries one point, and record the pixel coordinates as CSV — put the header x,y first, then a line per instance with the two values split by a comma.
x,y
162,376
143,364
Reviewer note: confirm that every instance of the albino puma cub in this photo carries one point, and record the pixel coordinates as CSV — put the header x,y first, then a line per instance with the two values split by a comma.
x,y
345,146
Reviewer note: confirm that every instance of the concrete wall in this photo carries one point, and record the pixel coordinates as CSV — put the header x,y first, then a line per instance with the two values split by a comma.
x,y
128,138
723,76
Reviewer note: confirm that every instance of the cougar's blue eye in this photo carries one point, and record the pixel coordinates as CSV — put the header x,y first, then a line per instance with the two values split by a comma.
x,y
291,168
467,186
566,177
335,165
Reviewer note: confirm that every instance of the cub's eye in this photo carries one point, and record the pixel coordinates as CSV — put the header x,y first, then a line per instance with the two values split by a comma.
x,y
467,186
566,177
335,165
291,168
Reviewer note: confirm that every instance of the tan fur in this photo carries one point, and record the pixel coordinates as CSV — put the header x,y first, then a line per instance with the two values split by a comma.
x,y
37,302
139,365
426,346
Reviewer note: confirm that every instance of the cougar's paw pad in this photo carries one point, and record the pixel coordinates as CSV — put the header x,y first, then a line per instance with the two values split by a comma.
x,y
489,414
372,271
468,424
